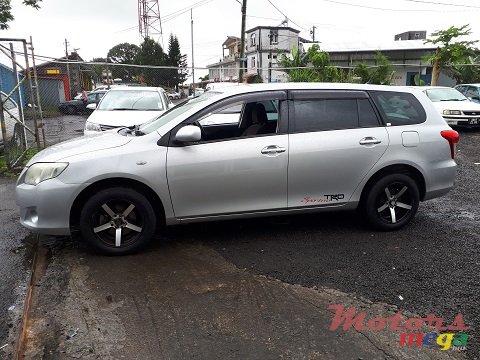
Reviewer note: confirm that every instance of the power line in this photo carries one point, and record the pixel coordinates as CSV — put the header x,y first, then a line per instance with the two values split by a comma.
x,y
172,15
286,17
388,9
444,4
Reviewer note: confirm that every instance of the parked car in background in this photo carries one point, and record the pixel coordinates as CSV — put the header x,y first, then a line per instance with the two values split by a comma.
x,y
126,107
455,108
79,106
220,85
174,95
378,149
10,113
471,91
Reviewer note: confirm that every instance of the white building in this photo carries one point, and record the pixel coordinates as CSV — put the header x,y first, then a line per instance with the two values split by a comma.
x,y
263,46
228,67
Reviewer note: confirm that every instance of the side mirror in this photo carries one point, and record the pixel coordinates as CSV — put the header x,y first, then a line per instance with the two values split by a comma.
x,y
92,106
189,133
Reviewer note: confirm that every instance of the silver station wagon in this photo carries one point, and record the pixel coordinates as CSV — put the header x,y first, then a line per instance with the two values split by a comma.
x,y
245,151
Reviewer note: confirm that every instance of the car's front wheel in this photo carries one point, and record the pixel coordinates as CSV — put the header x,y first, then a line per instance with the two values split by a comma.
x,y
118,221
391,202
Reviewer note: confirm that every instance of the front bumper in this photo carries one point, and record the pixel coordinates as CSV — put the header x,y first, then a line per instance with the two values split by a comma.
x,y
464,121
45,208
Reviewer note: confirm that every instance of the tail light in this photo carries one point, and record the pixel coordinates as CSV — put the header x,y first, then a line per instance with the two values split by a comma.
x,y
452,137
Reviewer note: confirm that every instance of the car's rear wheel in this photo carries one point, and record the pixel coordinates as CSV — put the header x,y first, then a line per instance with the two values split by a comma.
x,y
392,202
118,221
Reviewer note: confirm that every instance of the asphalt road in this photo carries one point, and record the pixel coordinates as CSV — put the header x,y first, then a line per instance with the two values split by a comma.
x,y
433,264
257,288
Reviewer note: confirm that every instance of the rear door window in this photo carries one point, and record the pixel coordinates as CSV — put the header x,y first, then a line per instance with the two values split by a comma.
x,y
399,108
325,114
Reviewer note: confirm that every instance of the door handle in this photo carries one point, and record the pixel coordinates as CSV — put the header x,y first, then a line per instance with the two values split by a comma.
x,y
370,141
273,149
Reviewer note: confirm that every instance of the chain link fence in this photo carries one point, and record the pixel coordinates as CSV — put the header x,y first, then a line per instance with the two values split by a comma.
x,y
54,98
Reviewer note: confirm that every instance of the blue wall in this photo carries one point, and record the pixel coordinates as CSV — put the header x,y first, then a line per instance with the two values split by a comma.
x,y
7,82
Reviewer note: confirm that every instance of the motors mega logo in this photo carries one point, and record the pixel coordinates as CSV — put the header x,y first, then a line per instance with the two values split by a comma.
x,y
446,337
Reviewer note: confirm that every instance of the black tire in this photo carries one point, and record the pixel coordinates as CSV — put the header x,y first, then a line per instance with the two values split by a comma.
x,y
71,110
118,221
392,212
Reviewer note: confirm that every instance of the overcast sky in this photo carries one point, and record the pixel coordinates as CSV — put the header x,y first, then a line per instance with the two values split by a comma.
x,y
94,26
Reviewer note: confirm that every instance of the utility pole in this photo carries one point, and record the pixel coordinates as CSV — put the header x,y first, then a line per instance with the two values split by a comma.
x,y
68,69
193,61
270,56
312,32
242,41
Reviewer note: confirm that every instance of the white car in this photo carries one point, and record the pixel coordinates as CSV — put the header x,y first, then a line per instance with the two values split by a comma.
x,y
456,109
126,107
10,113
220,85
174,95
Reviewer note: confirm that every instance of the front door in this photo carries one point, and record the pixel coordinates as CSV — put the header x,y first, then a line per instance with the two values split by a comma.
x,y
230,172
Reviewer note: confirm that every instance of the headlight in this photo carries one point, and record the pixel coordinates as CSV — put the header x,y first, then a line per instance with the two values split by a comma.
x,y
89,126
39,172
452,112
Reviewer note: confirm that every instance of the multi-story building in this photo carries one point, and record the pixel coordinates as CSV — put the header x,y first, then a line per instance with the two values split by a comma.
x,y
263,46
411,35
227,68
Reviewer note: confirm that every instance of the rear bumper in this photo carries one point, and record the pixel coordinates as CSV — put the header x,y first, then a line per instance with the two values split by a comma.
x,y
441,179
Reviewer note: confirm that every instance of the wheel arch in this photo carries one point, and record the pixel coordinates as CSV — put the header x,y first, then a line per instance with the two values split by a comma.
x,y
416,175
113,182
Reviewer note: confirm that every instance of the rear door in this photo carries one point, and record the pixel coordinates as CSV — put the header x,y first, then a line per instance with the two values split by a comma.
x,y
335,138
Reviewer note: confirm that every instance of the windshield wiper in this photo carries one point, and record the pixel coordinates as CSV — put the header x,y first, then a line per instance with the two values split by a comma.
x,y
122,109
452,99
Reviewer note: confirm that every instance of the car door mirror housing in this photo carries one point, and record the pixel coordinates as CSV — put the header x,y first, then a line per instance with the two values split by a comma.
x,y
92,106
189,133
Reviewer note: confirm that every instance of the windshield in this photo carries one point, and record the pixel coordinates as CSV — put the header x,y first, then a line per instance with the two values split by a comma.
x,y
445,95
175,112
146,100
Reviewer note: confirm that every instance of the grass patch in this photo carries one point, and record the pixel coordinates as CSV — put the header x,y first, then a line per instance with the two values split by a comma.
x,y
4,171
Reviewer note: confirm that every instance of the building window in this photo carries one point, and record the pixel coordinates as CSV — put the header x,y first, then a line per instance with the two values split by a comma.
x,y
254,63
273,37
252,39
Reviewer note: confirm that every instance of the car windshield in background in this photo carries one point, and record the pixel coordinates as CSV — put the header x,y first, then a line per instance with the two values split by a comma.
x,y
445,95
131,100
8,104
175,112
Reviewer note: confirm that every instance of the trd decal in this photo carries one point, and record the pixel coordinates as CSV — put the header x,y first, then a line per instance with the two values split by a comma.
x,y
322,200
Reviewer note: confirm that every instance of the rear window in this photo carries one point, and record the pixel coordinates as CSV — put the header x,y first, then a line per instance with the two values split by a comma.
x,y
399,108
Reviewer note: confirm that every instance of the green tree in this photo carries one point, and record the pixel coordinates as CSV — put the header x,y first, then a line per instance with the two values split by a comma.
x,y
123,53
6,11
175,58
151,53
380,74
468,72
311,66
97,68
295,65
450,50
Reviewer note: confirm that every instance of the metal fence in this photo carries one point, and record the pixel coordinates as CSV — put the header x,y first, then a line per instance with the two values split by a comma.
x,y
50,96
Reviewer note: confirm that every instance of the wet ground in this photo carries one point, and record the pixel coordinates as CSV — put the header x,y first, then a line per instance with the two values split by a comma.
x,y
14,267
260,288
